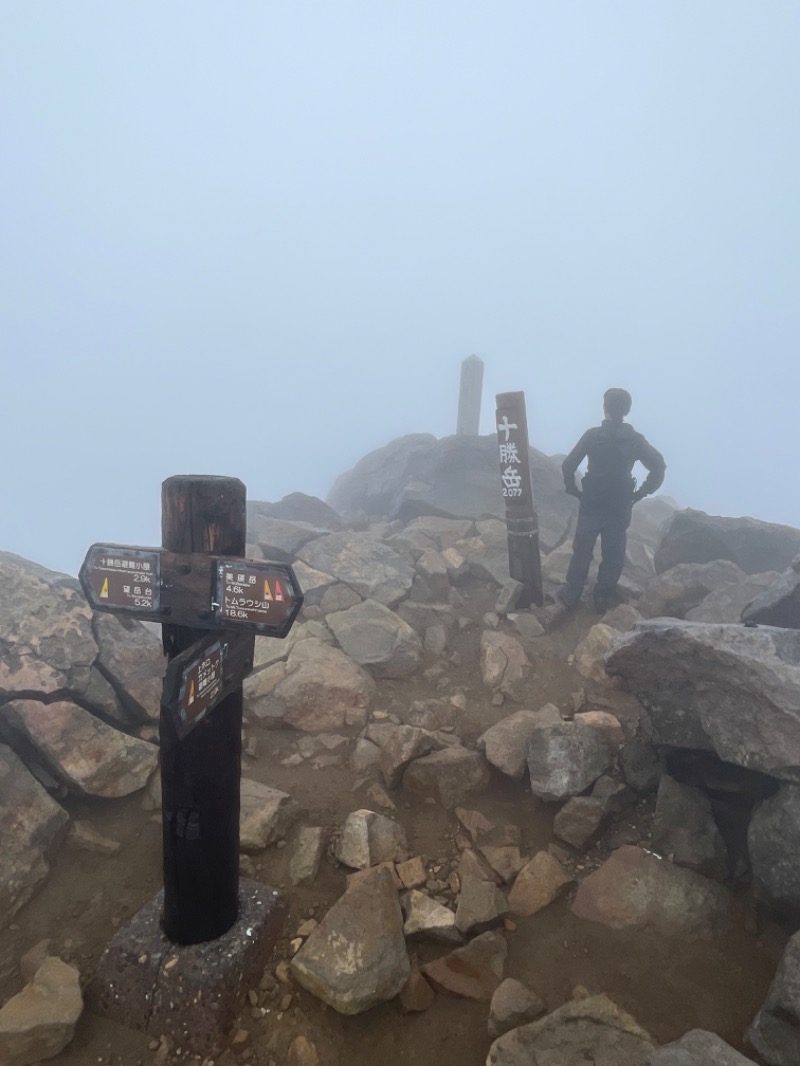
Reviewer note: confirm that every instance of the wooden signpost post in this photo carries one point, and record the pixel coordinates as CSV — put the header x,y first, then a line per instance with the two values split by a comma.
x,y
524,559
212,604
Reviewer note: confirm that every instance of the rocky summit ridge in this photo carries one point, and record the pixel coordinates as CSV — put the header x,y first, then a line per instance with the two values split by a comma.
x,y
447,794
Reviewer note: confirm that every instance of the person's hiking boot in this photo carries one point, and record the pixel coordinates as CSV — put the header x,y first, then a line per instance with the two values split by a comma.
x,y
602,601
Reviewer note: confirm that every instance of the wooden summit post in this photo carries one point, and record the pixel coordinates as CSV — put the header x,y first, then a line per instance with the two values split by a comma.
x,y
200,773
524,560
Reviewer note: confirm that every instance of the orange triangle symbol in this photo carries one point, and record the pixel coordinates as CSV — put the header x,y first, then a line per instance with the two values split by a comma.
x,y
267,590
278,590
191,693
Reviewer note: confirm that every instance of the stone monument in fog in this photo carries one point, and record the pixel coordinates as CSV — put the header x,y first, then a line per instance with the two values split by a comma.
x,y
469,397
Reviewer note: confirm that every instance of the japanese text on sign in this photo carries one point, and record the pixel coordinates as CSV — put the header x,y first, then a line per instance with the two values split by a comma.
x,y
509,459
260,595
202,685
125,578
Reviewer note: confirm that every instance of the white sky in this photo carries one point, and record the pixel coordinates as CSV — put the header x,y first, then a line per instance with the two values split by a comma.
x,y
259,238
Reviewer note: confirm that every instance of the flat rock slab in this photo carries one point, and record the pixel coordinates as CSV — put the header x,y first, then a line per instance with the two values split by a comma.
x,y
449,776
373,569
636,889
377,639
775,1033
472,972
195,993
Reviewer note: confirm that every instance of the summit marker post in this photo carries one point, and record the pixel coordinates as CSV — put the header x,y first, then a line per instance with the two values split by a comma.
x,y
524,558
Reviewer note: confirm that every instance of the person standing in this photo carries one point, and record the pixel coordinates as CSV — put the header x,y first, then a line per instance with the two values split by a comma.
x,y
607,494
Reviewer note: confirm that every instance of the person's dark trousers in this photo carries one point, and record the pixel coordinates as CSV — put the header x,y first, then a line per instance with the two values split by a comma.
x,y
611,525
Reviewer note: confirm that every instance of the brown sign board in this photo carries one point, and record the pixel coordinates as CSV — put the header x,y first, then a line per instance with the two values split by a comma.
x,y
203,675
193,589
125,579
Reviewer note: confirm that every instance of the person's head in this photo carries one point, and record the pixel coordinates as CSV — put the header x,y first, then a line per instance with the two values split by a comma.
x,y
616,404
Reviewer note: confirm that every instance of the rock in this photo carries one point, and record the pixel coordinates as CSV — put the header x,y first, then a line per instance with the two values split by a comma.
x,y
297,507
266,815
378,639
678,670
270,650
423,616
416,995
779,604
506,743
590,653
431,715
280,539
89,756
406,744
338,597
527,625
774,1032
505,860
641,765
83,835
606,723
132,659
443,532
755,547
584,1031
565,758
472,972
634,889
365,759
504,664
448,776
40,1021
686,586
481,905
32,823
356,957
319,689
412,873
509,594
378,797
726,604
373,569
302,1052
473,864
698,1048
452,477
426,919
538,884
615,796
622,617
580,820
432,567
684,830
513,1004
307,855
368,839
773,844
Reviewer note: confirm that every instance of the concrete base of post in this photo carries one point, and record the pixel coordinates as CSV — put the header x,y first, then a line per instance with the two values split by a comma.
x,y
191,994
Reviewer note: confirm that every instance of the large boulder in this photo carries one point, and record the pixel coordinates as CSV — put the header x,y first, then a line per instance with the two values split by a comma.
x,y
775,1032
727,603
755,547
685,586
582,1032
505,744
47,648
448,776
297,507
265,816
356,956
778,605
457,476
279,539
31,823
373,569
132,659
377,639
317,690
685,831
89,756
773,844
724,688
635,889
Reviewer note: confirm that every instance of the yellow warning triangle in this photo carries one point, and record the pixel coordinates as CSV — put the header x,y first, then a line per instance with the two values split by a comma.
x,y
104,590
191,692
267,590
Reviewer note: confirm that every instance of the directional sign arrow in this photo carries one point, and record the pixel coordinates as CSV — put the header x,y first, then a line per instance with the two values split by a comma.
x,y
203,675
200,591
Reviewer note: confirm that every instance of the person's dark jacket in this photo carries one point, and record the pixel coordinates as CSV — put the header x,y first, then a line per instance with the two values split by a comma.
x,y
612,450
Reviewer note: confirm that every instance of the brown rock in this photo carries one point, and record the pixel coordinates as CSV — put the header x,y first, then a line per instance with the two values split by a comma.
x,y
40,1020
417,995
538,884
474,971
412,873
